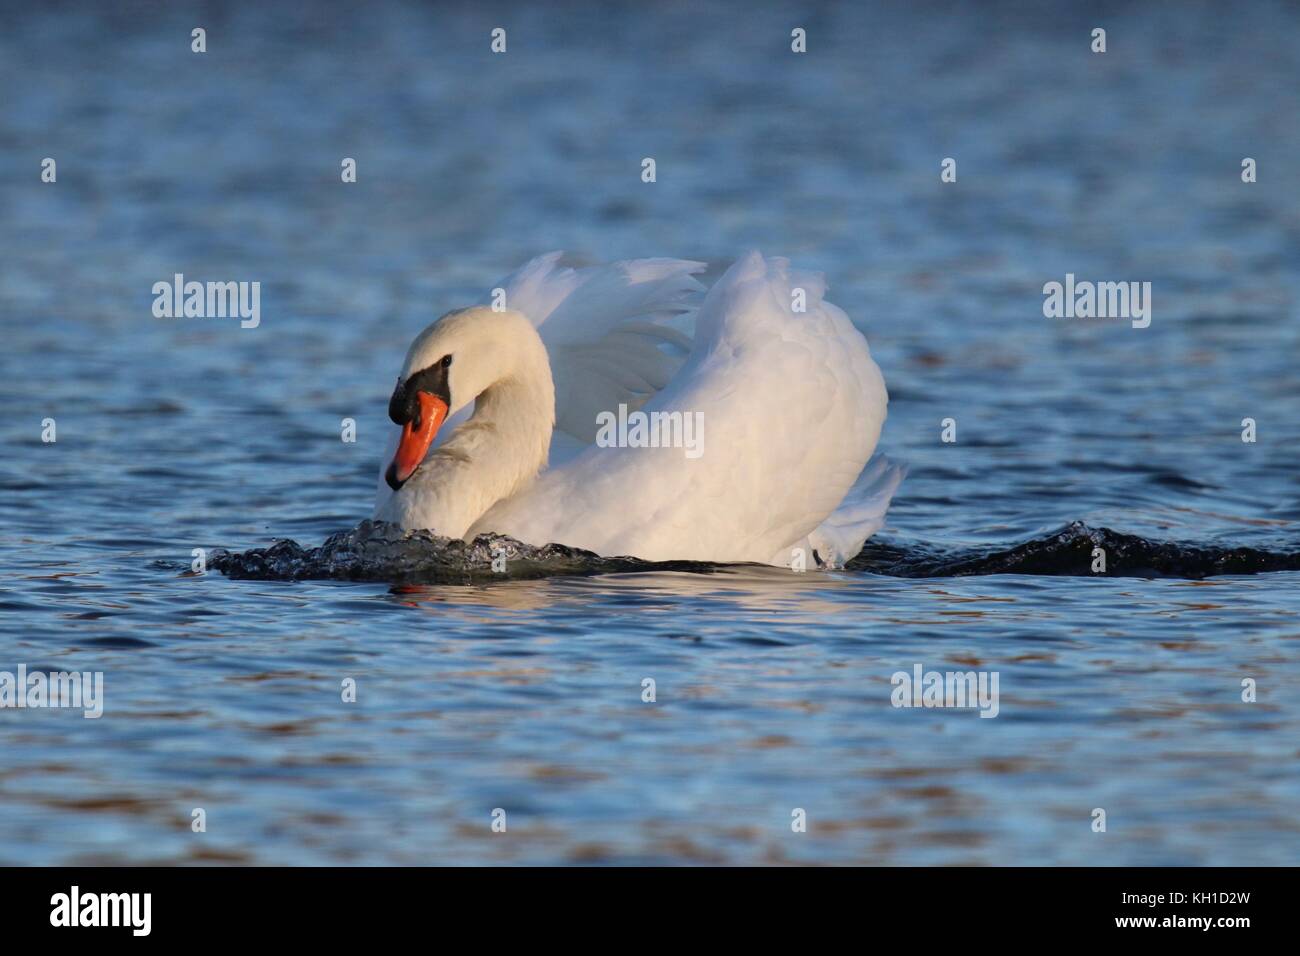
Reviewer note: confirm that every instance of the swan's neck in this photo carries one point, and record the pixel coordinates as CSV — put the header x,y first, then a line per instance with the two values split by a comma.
x,y
508,436
491,457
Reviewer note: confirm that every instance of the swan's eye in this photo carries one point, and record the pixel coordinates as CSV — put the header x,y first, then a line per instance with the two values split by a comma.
x,y
446,361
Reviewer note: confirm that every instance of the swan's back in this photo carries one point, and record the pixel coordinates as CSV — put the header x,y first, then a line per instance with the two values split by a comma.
x,y
791,404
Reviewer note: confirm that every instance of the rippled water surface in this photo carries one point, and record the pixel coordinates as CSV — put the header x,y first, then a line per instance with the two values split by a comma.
x,y
1120,691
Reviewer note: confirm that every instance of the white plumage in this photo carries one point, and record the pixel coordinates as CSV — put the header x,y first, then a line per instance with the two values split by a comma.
x,y
791,405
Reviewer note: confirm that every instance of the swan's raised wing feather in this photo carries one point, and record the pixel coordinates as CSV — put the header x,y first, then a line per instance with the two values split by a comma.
x,y
600,328
791,405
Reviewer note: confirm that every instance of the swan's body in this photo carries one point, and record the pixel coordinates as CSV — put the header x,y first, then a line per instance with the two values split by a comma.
x,y
791,405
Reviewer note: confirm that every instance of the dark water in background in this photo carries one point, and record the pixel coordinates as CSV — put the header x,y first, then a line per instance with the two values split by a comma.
x,y
773,688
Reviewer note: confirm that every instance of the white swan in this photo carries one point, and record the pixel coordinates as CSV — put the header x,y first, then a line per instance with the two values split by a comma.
x,y
790,402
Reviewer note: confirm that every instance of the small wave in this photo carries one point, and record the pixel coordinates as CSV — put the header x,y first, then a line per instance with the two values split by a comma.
x,y
377,551
1069,551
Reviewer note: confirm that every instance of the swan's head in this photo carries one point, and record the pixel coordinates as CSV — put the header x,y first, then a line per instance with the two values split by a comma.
x,y
448,366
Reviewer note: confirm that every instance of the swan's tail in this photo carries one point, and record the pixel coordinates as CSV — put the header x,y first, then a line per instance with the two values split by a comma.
x,y
862,513
601,326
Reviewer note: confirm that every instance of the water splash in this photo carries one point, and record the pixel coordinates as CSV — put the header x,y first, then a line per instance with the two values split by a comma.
x,y
377,551
1069,551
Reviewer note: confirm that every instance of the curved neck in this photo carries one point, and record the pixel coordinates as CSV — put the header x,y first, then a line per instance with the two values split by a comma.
x,y
508,436
492,456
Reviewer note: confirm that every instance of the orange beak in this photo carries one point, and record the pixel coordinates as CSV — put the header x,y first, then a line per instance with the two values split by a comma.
x,y
417,436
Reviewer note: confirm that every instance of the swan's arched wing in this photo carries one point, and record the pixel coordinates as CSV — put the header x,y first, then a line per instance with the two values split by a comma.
x,y
791,406
601,326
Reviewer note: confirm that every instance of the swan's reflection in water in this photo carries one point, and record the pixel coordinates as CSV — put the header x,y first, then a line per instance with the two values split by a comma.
x,y
753,587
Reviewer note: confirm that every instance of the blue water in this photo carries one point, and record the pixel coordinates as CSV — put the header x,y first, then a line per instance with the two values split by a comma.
x,y
1119,691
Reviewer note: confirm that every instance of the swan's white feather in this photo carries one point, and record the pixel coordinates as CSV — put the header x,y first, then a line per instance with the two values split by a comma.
x,y
599,327
860,515
792,406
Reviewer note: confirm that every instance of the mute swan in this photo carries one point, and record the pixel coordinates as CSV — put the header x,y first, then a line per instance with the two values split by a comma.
x,y
501,408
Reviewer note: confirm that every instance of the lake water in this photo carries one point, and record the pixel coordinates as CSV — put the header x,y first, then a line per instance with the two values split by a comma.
x,y
1119,691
